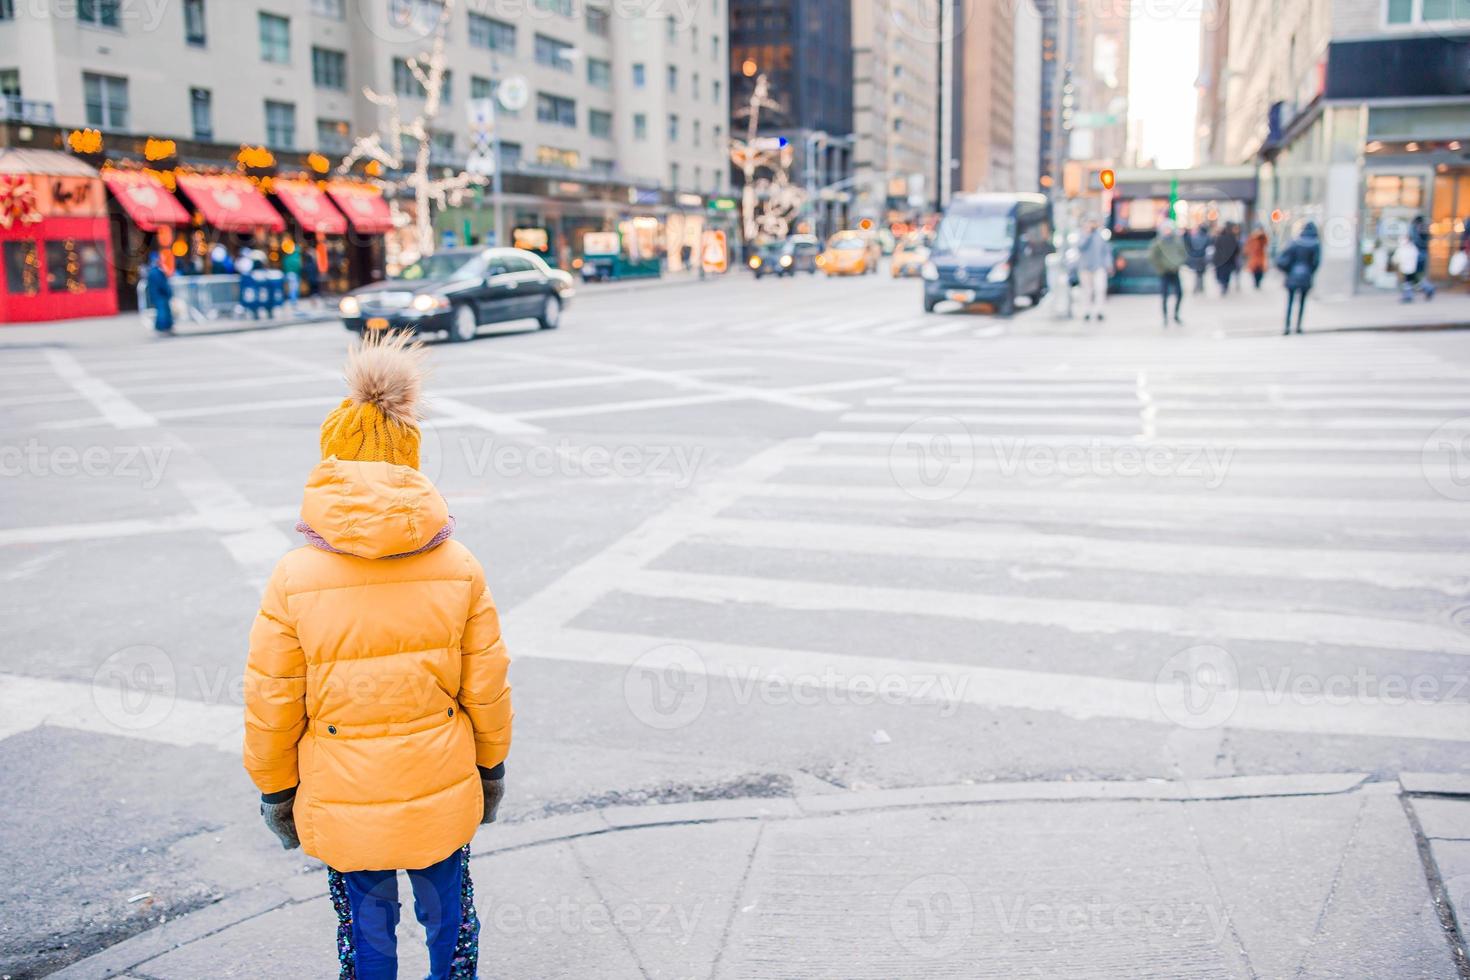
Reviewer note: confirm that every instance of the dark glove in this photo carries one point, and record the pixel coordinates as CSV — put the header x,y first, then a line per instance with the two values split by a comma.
x,y
494,790
280,821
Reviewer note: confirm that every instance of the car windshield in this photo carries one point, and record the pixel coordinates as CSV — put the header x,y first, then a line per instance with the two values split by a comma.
x,y
975,230
848,244
442,266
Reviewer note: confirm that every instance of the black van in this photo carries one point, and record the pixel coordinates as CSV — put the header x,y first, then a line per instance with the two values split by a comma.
x,y
990,248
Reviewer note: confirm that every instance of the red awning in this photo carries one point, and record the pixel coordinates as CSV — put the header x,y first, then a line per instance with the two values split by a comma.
x,y
310,207
231,203
364,207
145,199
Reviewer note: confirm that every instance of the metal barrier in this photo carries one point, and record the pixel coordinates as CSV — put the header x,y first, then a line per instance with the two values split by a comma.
x,y
201,299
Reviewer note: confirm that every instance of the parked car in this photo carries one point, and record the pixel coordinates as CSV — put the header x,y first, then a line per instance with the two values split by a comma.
x,y
909,257
991,249
786,257
850,253
456,291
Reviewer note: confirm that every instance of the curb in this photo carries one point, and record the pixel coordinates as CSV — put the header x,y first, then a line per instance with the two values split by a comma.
x,y
230,911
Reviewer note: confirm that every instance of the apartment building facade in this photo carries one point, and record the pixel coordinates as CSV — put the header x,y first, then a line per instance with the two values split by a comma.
x,y
1358,112
626,113
895,108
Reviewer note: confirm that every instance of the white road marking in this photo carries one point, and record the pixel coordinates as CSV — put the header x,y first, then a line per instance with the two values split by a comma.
x,y
136,527
114,407
1083,617
1306,444
1443,571
452,411
30,702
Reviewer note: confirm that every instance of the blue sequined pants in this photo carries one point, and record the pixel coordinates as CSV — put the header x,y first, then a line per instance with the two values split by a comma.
x,y
367,919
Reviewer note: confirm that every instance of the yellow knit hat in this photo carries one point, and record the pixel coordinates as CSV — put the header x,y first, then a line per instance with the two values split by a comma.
x,y
377,422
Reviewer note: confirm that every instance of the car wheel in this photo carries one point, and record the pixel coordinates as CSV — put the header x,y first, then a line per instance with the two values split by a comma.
x,y
550,317
1007,306
465,325
929,305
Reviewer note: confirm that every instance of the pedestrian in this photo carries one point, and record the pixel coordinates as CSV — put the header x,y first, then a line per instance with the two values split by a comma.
x,y
291,268
1168,254
1094,266
377,713
160,295
1414,273
1197,244
1256,248
1226,253
1299,261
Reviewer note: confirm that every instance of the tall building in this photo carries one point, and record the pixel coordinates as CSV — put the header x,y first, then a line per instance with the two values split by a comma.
x,y
1099,61
978,59
895,104
1210,122
805,50
627,109
1359,114
1027,104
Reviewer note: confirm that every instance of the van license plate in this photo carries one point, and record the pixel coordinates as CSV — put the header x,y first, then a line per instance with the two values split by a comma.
x,y
961,295
377,323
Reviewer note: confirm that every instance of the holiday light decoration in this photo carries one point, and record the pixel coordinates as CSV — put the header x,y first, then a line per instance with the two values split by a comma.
x,y
446,191
768,203
18,203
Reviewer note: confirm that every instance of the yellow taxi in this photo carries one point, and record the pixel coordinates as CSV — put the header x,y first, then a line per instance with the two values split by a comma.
x,y
849,253
909,257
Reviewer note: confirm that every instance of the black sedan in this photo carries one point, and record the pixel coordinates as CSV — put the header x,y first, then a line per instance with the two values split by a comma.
x,y
458,290
786,258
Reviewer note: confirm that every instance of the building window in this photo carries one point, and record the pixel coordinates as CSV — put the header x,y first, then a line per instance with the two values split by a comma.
x,y
107,100
329,69
7,9
441,147
75,267
600,166
194,23
275,39
673,128
22,268
599,123
553,53
599,73
510,156
694,86
406,83
640,77
9,83
101,13
715,88
671,29
555,109
487,88
598,21
331,9
333,135
553,156
563,7
492,34
673,80
674,176
698,177
696,132
640,126
694,38
714,48
421,16
280,124
201,114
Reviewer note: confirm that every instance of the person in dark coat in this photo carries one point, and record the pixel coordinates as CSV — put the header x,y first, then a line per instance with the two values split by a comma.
x,y
1226,257
1419,278
1197,244
160,295
1299,261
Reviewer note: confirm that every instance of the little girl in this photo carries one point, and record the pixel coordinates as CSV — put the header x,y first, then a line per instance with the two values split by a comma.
x,y
377,713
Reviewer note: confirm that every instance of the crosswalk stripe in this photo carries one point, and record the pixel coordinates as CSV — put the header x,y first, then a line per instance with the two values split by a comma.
x,y
1079,616
1078,696
1217,424
941,424
1242,405
1440,571
1207,470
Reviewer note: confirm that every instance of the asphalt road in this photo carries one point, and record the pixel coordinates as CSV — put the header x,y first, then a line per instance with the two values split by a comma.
x,y
748,539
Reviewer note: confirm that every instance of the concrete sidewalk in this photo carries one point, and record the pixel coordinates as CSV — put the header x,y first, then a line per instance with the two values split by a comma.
x,y
1316,876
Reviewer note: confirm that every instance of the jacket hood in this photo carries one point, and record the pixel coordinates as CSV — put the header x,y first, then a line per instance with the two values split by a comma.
x,y
1309,230
372,510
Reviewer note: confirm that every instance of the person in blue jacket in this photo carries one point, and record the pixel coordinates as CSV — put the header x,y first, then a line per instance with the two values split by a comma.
x,y
160,295
1299,261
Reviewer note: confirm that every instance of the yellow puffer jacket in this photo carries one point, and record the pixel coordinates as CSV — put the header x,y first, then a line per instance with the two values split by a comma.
x,y
377,676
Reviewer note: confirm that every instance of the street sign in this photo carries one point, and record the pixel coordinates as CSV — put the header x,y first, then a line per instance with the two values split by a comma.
x,y
481,113
1094,120
481,163
514,94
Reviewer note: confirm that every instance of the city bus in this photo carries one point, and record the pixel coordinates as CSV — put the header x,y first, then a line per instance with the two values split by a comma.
x,y
1140,202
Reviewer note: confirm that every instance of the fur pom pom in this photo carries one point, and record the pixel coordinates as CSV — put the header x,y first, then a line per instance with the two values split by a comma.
x,y
387,370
